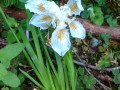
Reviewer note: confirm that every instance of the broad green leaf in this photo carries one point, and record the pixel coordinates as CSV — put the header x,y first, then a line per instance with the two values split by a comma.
x,y
100,2
112,22
104,62
115,71
96,15
3,71
11,51
116,76
5,88
89,81
119,88
12,21
11,38
11,80
117,79
17,88
85,14
79,86
105,37
79,83
81,71
6,63
21,77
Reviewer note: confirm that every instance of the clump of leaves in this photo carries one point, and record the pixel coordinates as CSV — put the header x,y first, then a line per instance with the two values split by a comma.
x,y
101,11
89,81
116,74
6,55
105,37
104,62
5,88
112,22
96,15
85,81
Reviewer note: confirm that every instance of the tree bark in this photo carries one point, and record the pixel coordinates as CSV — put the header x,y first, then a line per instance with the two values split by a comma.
x,y
94,29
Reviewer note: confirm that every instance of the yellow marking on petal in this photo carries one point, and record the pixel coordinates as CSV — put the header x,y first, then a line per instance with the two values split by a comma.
x,y
73,7
60,34
46,18
57,21
41,7
73,25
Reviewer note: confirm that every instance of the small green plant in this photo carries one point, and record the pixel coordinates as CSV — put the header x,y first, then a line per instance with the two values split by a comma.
x,y
89,81
116,74
101,11
5,88
96,15
112,22
6,55
85,81
104,62
105,37
61,76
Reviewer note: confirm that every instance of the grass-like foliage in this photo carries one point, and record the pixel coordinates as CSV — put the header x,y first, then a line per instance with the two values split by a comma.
x,y
50,76
7,3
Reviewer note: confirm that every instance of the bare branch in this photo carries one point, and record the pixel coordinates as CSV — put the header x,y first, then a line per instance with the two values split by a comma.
x,y
96,68
84,65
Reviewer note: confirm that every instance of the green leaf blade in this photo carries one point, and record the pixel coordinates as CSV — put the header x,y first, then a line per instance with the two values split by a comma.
x,y
3,71
11,51
11,80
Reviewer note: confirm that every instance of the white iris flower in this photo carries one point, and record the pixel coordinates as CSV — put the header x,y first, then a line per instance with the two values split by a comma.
x,y
43,21
60,41
48,13
60,38
75,6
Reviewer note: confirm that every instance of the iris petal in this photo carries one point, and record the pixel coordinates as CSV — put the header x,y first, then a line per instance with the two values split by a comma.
x,y
60,41
36,6
77,30
43,21
75,6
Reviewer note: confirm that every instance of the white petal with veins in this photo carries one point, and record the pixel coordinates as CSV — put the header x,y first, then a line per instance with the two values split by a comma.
x,y
43,21
60,41
52,7
77,30
36,6
75,6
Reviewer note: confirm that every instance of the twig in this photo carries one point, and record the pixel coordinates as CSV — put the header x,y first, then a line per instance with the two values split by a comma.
x,y
3,42
103,86
24,66
84,65
105,78
94,67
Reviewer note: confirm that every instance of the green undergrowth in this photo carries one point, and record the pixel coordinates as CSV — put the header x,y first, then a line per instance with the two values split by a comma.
x,y
99,51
